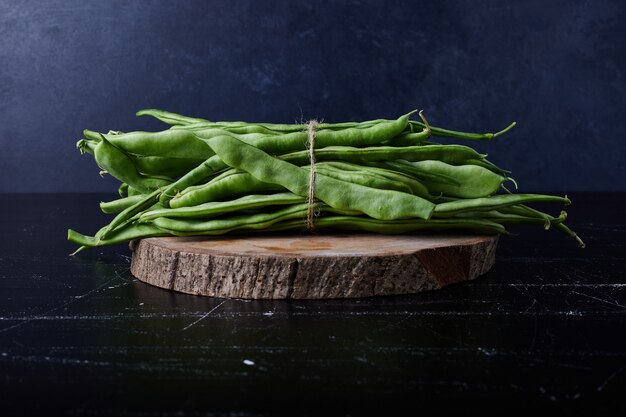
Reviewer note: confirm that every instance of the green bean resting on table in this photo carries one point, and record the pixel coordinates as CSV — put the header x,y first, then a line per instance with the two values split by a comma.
x,y
199,177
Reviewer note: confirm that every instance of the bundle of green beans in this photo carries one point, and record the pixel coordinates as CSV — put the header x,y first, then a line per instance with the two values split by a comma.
x,y
386,176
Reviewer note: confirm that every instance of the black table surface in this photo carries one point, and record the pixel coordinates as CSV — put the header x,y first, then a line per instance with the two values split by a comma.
x,y
542,332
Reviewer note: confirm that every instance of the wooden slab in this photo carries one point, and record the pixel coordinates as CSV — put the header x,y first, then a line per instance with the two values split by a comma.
x,y
310,266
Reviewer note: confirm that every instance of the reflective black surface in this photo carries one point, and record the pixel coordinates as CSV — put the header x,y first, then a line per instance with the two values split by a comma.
x,y
542,332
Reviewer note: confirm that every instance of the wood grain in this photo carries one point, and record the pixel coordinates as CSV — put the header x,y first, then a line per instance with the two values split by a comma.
x,y
310,266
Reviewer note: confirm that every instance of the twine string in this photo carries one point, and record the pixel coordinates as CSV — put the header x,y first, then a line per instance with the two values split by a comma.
x,y
310,215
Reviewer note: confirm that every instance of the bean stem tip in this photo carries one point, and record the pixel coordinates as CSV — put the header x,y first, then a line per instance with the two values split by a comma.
x,y
503,131
421,115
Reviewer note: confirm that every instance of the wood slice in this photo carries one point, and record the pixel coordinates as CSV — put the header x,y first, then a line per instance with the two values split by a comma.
x,y
310,266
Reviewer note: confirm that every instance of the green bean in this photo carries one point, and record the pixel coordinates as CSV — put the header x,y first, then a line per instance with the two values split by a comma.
x,y
507,216
547,220
235,184
208,167
370,135
119,165
134,231
92,136
408,168
279,222
385,176
367,179
199,173
379,204
561,227
220,175
451,154
170,118
279,128
117,206
473,181
217,176
142,204
244,222
228,126
410,139
519,220
208,128
289,142
297,140
415,186
489,165
490,203
524,210
163,165
437,131
216,208
123,190
253,129
394,226
251,137
86,146
133,192
168,143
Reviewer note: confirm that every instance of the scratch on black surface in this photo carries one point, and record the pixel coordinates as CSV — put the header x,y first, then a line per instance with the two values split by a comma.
x,y
67,303
609,379
598,299
125,258
556,285
611,298
203,317
488,351
441,335
126,280
532,304
551,362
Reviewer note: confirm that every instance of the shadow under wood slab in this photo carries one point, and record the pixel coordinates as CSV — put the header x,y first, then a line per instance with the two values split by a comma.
x,y
310,266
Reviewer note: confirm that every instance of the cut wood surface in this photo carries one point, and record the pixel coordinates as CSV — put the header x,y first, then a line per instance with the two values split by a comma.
x,y
310,266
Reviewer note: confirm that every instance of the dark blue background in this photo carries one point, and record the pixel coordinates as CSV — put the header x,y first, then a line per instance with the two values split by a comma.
x,y
555,67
